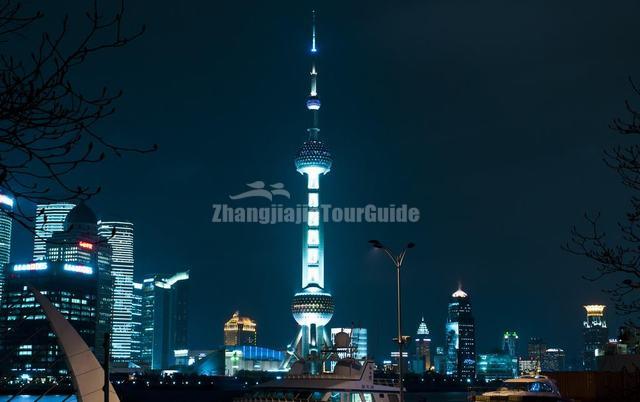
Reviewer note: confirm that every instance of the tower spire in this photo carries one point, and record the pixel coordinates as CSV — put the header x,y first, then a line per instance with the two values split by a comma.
x,y
313,102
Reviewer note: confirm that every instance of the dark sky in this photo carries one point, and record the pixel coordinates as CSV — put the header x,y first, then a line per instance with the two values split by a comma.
x,y
488,116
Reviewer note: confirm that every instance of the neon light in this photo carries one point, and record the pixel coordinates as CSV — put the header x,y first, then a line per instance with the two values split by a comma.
x,y
313,237
313,218
85,245
312,255
32,266
6,200
82,269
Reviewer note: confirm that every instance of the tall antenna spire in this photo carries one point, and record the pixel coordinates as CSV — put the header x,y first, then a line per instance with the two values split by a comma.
x,y
313,102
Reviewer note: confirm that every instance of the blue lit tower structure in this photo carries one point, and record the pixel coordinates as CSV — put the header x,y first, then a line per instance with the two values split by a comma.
x,y
460,336
312,306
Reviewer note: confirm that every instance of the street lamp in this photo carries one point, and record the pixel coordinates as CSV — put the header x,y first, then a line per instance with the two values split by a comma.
x,y
397,261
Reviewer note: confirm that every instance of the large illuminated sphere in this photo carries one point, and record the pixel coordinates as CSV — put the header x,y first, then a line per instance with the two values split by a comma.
x,y
312,308
313,156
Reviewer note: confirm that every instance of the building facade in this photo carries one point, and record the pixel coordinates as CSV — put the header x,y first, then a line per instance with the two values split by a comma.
x,y
535,350
595,335
423,348
119,235
440,361
312,306
497,366
460,338
553,360
29,345
240,331
510,343
6,223
251,358
163,317
49,220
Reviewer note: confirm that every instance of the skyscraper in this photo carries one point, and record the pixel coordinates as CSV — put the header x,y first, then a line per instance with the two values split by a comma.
x,y
553,360
536,348
163,318
6,207
136,322
119,235
460,337
595,335
49,219
423,347
510,343
79,243
240,331
359,342
312,306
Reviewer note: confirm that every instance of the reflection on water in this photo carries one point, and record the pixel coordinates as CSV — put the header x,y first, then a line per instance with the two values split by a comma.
x,y
31,398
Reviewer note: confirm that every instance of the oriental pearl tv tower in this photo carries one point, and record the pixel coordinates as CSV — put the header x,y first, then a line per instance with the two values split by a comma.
x,y
312,306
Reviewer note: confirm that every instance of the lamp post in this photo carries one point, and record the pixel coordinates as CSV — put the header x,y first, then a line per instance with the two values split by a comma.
x,y
397,261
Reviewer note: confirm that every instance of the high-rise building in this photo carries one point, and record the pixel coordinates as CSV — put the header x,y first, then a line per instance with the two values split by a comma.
x,y
440,361
163,318
460,337
358,337
26,341
595,335
240,331
49,220
119,235
136,322
6,208
535,349
312,306
423,348
553,360
510,343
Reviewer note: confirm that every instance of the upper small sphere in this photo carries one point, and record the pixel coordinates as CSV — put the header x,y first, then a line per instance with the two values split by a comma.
x,y
313,103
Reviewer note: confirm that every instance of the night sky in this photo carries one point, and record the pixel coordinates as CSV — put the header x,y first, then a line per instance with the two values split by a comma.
x,y
490,117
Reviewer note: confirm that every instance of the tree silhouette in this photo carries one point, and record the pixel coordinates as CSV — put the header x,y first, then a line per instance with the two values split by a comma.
x,y
47,123
618,257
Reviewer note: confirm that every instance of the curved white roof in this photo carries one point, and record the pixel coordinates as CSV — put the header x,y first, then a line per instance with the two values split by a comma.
x,y
459,293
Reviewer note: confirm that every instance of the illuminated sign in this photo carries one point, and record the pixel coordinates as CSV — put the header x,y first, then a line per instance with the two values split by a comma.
x,y
6,200
85,245
83,269
32,266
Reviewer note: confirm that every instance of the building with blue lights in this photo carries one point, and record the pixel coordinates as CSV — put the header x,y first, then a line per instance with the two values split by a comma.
x,y
422,359
27,343
312,306
460,338
510,343
6,208
163,319
119,235
251,358
596,335
497,366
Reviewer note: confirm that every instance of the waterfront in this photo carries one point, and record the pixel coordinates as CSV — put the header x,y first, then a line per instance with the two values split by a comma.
x,y
410,397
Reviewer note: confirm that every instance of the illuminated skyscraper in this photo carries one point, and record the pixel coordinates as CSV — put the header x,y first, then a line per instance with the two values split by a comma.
x,y
423,347
461,339
240,331
119,235
163,318
595,335
510,343
6,207
49,220
312,306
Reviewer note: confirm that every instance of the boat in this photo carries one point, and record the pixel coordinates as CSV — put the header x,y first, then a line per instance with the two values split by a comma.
x,y
350,381
537,388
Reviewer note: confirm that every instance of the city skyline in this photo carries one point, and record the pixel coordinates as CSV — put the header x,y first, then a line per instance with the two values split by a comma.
x,y
437,235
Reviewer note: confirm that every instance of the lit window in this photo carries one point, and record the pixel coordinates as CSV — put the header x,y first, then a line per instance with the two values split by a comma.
x,y
313,237
314,182
313,218
312,255
313,200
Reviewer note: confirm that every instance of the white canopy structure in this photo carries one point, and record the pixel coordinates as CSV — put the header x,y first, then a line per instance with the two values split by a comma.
x,y
86,372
